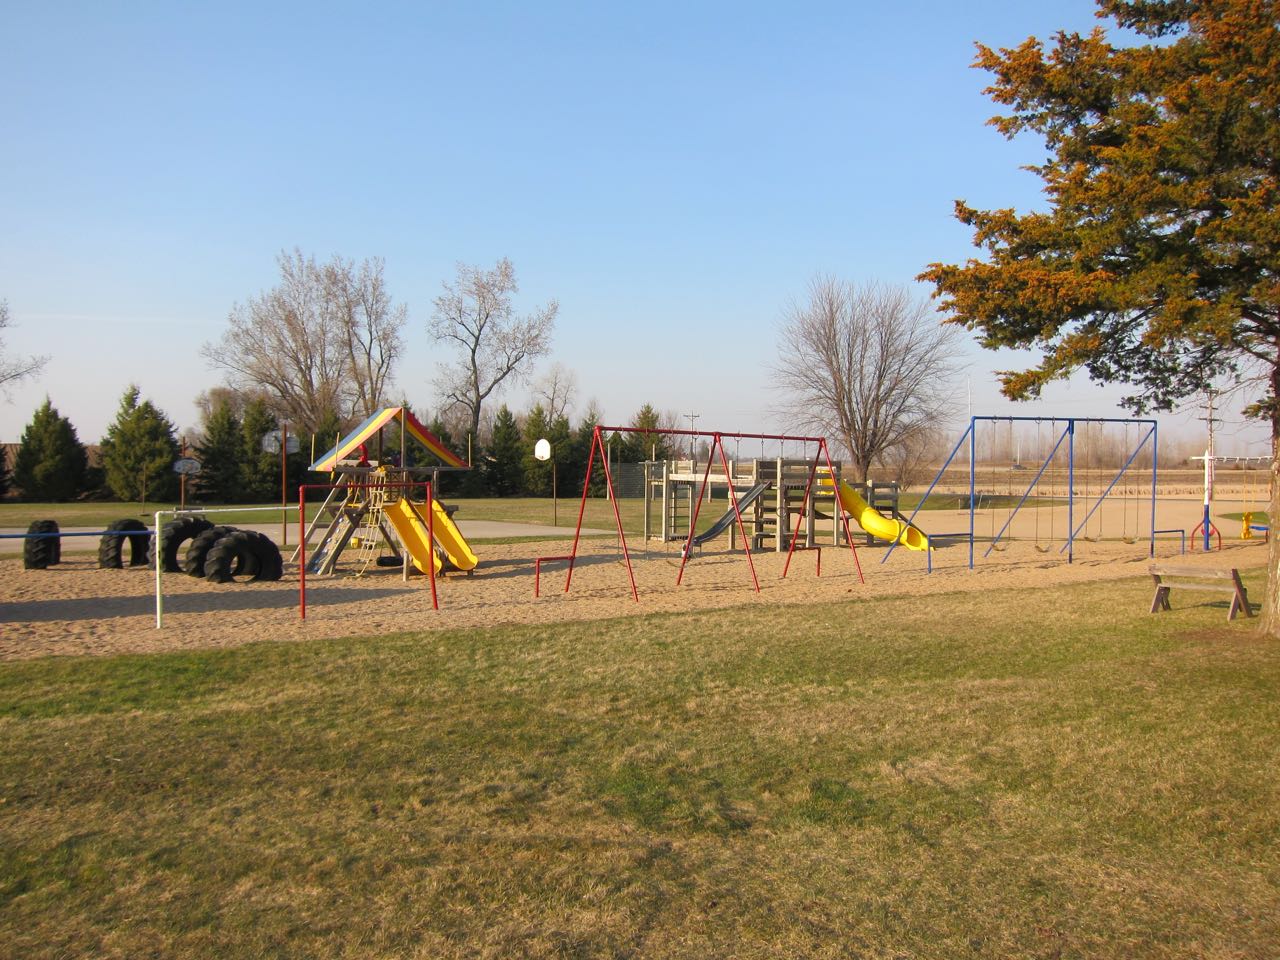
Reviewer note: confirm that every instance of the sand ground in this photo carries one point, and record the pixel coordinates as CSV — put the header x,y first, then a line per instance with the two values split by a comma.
x,y
77,609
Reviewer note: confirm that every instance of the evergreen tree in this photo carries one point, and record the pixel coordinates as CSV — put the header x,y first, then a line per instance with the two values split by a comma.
x,y
139,450
452,480
313,446
537,473
259,470
328,432
220,453
580,450
503,465
440,430
4,471
1154,262
51,461
637,447
561,437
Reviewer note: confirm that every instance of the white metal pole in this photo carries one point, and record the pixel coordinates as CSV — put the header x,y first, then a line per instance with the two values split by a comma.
x,y
159,565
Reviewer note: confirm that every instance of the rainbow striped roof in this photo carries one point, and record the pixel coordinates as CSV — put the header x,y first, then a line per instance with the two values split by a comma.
x,y
362,433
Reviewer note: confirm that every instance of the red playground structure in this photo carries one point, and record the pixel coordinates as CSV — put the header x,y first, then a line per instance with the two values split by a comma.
x,y
821,456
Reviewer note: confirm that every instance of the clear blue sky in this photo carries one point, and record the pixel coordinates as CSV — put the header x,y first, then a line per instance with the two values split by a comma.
x,y
672,173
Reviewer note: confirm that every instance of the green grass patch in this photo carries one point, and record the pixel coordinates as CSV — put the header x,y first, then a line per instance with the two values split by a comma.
x,y
1259,516
1040,773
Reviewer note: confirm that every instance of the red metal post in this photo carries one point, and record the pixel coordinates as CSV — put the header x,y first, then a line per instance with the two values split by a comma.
x,y
302,552
622,537
804,507
693,521
537,572
843,519
431,544
586,485
733,498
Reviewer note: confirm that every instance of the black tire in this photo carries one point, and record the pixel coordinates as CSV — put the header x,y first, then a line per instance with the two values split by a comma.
x,y
172,536
233,556
201,544
270,563
111,547
38,553
51,526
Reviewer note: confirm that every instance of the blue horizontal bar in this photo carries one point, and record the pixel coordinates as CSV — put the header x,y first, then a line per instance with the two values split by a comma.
x,y
92,533
990,419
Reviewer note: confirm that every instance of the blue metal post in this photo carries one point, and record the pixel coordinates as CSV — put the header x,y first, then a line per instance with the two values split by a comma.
x,y
1030,487
1133,455
925,499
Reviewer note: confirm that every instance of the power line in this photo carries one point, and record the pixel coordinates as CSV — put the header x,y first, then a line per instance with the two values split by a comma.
x,y
692,418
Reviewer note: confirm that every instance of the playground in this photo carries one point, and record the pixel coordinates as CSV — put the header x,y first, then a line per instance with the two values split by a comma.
x,y
76,608
766,533
989,763
896,751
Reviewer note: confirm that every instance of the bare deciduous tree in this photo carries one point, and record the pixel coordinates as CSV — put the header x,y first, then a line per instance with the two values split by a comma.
x,y
557,389
13,369
475,314
325,340
868,366
912,461
370,325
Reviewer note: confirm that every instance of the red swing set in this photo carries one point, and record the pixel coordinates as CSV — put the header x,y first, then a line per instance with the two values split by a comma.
x,y
821,454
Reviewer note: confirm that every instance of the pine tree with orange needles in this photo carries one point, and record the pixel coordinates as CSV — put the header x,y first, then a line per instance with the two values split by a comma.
x,y
1157,262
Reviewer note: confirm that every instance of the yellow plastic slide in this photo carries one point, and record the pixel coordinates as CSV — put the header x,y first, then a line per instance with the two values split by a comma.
x,y
450,539
877,524
412,530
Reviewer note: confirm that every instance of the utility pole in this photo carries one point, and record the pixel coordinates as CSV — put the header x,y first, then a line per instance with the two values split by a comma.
x,y
692,418
1209,418
1206,523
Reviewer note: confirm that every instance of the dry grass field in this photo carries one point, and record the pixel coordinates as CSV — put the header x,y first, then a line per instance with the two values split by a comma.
x,y
1017,761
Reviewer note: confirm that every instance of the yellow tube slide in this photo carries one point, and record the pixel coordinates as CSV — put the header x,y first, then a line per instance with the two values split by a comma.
x,y
877,524
412,530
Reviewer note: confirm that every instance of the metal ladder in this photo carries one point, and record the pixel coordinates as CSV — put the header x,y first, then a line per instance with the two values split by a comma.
x,y
678,515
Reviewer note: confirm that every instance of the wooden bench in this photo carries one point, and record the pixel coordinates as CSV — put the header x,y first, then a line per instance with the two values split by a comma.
x,y
1193,578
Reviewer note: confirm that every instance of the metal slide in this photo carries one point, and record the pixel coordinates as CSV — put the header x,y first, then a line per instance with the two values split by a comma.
x,y
723,524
